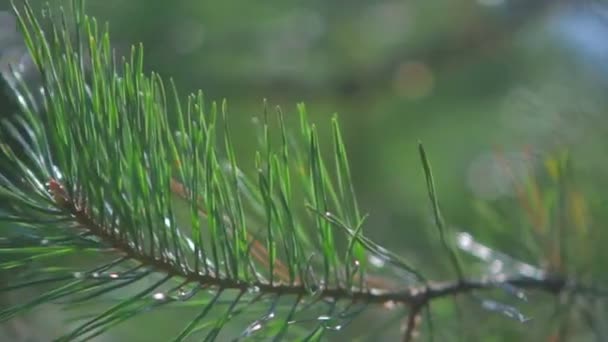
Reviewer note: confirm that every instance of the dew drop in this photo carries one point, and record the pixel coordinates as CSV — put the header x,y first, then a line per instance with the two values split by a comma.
x,y
389,305
44,242
253,289
78,275
113,275
356,267
159,296
328,214
57,173
377,292
257,325
184,294
376,261
465,241
496,266
95,274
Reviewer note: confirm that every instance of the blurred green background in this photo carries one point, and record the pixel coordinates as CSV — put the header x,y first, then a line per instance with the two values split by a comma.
x,y
480,82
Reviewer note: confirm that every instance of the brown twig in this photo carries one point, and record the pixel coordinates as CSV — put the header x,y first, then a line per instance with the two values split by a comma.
x,y
417,296
413,321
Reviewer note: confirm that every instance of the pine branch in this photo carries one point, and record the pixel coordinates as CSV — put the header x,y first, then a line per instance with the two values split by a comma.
x,y
170,204
417,297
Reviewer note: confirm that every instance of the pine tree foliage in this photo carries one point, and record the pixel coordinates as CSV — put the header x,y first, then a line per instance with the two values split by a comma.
x,y
106,166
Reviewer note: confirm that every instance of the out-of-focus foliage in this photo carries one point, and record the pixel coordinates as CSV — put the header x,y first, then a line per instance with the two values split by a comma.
x,y
507,95
476,74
